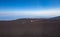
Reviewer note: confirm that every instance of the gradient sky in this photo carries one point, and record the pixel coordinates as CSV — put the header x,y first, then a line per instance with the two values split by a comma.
x,y
13,9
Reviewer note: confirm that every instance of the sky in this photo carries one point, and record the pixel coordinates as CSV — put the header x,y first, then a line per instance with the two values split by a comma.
x,y
15,9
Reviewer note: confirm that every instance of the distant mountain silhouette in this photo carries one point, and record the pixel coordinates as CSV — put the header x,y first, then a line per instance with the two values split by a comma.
x,y
55,18
31,27
58,17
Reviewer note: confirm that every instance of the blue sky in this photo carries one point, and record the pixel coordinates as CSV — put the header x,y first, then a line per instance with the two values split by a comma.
x,y
13,9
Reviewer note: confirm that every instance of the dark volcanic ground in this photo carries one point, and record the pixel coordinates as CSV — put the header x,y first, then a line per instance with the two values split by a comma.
x,y
30,28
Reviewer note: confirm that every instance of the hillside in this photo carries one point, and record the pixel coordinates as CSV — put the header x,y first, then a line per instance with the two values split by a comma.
x,y
30,28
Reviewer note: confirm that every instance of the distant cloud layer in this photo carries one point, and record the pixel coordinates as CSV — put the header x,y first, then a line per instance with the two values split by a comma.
x,y
48,12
